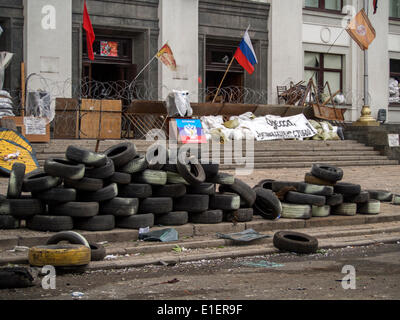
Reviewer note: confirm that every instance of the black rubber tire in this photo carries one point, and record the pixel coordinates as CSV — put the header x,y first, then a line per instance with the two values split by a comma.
x,y
207,217
372,207
75,209
156,205
177,218
345,209
193,173
222,178
210,169
152,154
309,178
120,207
153,177
170,190
87,157
5,207
71,236
204,188
240,215
56,194
136,221
64,168
327,172
265,184
135,190
315,189
334,200
97,252
381,195
242,189
107,193
267,204
103,172
96,223
347,188
15,277
121,153
192,203
295,242
296,211
279,185
24,208
170,168
50,223
302,198
224,201
363,197
85,184
138,164
120,178
175,178
8,222
40,181
16,181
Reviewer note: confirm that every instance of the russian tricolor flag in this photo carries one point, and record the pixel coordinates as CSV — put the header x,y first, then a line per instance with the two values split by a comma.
x,y
245,54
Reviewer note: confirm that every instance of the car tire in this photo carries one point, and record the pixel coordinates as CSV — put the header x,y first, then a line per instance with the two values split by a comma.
x,y
120,178
103,172
224,201
327,172
97,252
302,198
8,222
309,178
71,236
204,188
210,169
85,184
193,173
323,211
152,156
57,195
242,189
64,168
290,241
345,209
86,157
121,154
40,181
177,218
96,223
156,205
372,207
120,207
16,181
207,217
107,193
59,255
24,208
267,204
175,178
153,177
191,203
240,215
265,184
136,221
50,223
334,200
222,178
15,277
277,186
135,190
363,197
296,211
381,195
315,189
75,209
170,190
347,188
136,165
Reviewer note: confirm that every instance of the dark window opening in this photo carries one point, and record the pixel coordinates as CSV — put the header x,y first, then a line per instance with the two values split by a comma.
x,y
324,5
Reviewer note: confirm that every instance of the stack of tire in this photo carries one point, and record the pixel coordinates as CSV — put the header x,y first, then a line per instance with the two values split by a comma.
x,y
122,189
321,195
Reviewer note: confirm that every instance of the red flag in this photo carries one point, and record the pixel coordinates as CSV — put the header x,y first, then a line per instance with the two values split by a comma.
x,y
375,6
87,25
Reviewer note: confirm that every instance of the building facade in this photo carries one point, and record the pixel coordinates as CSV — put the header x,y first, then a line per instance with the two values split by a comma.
x,y
294,40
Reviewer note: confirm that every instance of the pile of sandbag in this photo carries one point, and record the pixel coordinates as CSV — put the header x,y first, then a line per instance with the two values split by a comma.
x,y
394,91
325,131
6,104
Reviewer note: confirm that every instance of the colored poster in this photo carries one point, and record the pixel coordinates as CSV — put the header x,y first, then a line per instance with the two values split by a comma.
x,y
108,49
190,131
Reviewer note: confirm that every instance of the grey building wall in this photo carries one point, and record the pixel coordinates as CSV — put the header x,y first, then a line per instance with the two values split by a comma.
x,y
12,22
227,20
137,19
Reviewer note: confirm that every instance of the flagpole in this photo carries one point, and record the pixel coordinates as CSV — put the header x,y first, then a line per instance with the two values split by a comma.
x,y
226,72
144,68
366,99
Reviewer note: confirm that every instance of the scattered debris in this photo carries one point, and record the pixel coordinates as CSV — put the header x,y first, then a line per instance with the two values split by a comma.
x,y
263,264
244,236
77,294
110,257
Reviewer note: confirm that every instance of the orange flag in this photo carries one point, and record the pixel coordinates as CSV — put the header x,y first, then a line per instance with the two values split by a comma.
x,y
166,56
361,30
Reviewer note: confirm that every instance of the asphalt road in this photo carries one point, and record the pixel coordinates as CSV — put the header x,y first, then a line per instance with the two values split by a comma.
x,y
275,277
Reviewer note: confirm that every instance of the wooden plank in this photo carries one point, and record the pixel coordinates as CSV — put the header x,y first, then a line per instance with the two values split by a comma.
x,y
106,113
66,119
19,122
